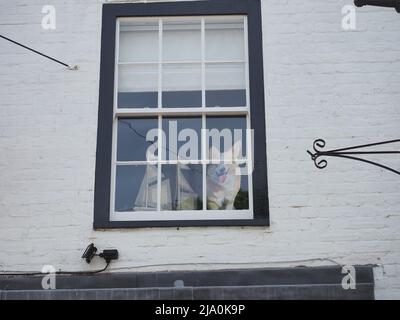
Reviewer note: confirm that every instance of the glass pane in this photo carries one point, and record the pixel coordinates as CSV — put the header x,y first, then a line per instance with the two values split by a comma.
x,y
227,187
182,187
182,40
181,86
182,138
136,188
226,138
138,40
226,85
138,86
137,139
224,39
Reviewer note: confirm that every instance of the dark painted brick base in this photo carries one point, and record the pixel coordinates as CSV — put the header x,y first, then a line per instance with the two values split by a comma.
x,y
364,292
258,284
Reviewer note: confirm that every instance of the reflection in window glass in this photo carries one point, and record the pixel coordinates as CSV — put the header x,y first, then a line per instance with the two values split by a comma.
x,y
181,40
136,188
225,85
227,187
181,86
138,40
226,137
183,138
138,86
132,139
182,185
224,39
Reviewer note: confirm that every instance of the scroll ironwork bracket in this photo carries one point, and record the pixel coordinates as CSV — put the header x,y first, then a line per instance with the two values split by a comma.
x,y
353,153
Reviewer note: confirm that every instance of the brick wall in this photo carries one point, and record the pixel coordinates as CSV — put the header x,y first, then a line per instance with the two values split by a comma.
x,y
321,82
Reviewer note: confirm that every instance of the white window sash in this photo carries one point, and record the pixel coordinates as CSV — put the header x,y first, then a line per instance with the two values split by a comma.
x,y
159,112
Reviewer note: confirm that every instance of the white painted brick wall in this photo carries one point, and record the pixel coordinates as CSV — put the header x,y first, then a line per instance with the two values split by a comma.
x,y
321,81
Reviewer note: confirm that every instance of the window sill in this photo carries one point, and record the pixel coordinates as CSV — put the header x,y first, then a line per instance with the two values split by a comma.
x,y
181,224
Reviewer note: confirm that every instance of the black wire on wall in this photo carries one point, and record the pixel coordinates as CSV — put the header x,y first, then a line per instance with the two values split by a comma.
x,y
40,53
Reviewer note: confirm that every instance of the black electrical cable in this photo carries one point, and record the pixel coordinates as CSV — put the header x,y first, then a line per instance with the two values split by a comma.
x,y
37,52
82,273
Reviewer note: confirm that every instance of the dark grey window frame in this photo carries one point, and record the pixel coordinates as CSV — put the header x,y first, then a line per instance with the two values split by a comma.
x,y
251,8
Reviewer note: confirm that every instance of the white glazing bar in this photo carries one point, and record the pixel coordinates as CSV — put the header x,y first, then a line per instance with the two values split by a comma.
x,y
182,62
126,112
116,68
141,63
159,140
203,65
203,118
224,61
249,132
114,164
250,163
182,215
160,155
246,57
160,54
174,18
115,122
204,159
135,163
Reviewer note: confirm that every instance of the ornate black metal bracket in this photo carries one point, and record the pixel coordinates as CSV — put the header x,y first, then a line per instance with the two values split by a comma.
x,y
349,153
379,3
